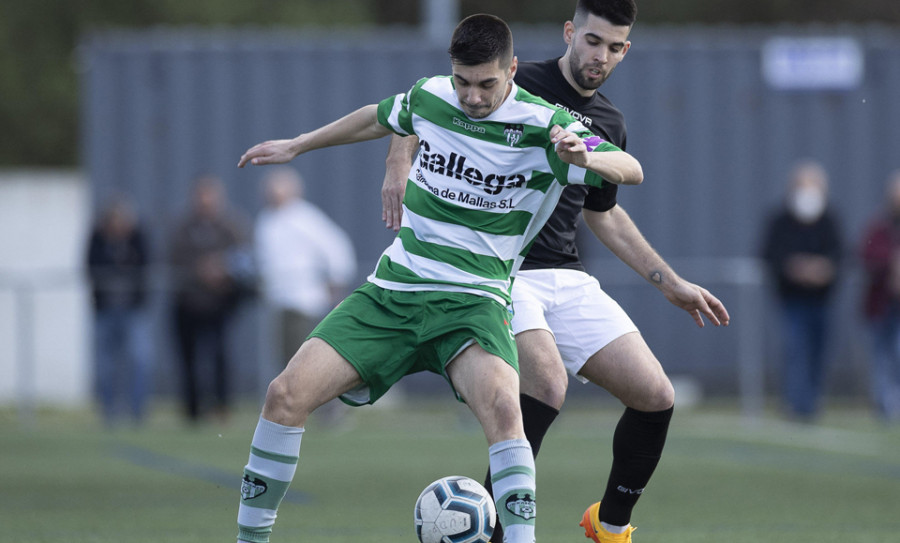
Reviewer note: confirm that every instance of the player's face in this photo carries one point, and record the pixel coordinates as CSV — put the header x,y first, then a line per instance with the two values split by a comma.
x,y
595,49
481,89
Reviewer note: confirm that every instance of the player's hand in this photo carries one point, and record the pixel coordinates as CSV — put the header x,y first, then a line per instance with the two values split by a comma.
x,y
569,147
269,152
392,191
698,301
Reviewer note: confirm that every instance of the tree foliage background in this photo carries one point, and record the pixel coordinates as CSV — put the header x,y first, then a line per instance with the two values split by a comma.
x,y
38,68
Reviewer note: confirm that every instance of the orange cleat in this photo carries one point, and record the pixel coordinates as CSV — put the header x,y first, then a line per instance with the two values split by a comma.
x,y
590,521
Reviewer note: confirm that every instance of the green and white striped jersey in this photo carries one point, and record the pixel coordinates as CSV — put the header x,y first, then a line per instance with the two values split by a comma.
x,y
478,191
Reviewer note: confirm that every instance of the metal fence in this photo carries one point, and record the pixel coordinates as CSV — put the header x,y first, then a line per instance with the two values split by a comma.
x,y
253,361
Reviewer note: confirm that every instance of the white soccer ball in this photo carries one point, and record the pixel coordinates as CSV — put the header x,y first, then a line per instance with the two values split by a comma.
x,y
454,509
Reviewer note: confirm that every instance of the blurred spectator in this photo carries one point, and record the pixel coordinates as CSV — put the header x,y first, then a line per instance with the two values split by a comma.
x,y
209,261
881,256
305,260
117,260
802,248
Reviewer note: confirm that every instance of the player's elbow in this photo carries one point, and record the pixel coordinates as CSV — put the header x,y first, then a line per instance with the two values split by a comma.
x,y
635,172
632,174
623,169
637,176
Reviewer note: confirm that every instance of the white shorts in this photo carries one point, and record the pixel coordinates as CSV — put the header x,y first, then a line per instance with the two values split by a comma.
x,y
570,305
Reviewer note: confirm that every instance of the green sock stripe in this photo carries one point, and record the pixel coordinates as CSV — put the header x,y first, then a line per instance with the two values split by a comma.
x,y
254,535
282,458
514,470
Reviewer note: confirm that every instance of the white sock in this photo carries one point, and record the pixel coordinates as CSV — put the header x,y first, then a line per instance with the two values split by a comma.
x,y
613,529
512,476
274,453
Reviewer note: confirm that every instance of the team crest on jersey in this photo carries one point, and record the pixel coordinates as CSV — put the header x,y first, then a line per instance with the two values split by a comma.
x,y
521,506
252,489
513,133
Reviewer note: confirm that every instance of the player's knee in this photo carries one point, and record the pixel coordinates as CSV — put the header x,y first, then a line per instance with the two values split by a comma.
x,y
506,406
652,395
502,417
283,405
662,396
556,391
547,381
551,391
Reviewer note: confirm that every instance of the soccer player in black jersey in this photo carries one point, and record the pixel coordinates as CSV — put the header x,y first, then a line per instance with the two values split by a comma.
x,y
563,320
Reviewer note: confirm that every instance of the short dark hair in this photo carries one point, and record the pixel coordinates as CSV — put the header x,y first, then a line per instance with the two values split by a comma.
x,y
479,39
618,12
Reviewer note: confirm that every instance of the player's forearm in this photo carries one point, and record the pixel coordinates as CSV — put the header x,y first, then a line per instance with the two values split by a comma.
x,y
361,125
617,167
616,230
401,152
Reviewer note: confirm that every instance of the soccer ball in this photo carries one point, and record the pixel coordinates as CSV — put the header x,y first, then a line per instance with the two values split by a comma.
x,y
454,509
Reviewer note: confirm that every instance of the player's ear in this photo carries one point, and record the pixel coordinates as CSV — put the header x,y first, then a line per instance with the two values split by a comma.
x,y
568,32
513,66
626,48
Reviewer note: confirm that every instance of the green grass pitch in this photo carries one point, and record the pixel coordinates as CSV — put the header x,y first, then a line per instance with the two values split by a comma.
x,y
63,478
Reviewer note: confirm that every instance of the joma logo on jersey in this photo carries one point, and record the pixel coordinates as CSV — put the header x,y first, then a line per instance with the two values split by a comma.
x,y
455,166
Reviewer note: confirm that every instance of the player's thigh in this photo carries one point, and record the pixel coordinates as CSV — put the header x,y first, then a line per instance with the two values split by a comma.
x,y
585,319
627,368
490,387
542,374
316,374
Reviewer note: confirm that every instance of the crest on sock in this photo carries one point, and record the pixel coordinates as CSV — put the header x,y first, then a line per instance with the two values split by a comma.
x,y
521,506
252,489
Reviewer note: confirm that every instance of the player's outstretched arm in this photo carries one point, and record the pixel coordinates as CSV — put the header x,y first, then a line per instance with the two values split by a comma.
x,y
617,167
361,125
616,230
396,172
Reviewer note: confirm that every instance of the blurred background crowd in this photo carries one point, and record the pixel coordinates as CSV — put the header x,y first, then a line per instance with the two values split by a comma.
x,y
139,266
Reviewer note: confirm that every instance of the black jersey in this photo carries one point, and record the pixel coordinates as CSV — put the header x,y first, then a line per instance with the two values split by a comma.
x,y
554,246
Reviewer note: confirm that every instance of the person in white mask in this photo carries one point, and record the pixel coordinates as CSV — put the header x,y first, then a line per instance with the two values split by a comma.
x,y
802,249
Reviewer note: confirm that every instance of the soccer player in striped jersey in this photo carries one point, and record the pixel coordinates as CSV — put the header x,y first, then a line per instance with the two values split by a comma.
x,y
494,161
562,319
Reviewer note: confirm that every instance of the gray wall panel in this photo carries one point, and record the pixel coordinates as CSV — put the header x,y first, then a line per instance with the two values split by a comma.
x,y
715,141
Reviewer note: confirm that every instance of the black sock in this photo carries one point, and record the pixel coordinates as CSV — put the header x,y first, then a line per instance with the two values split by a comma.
x,y
537,418
637,446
